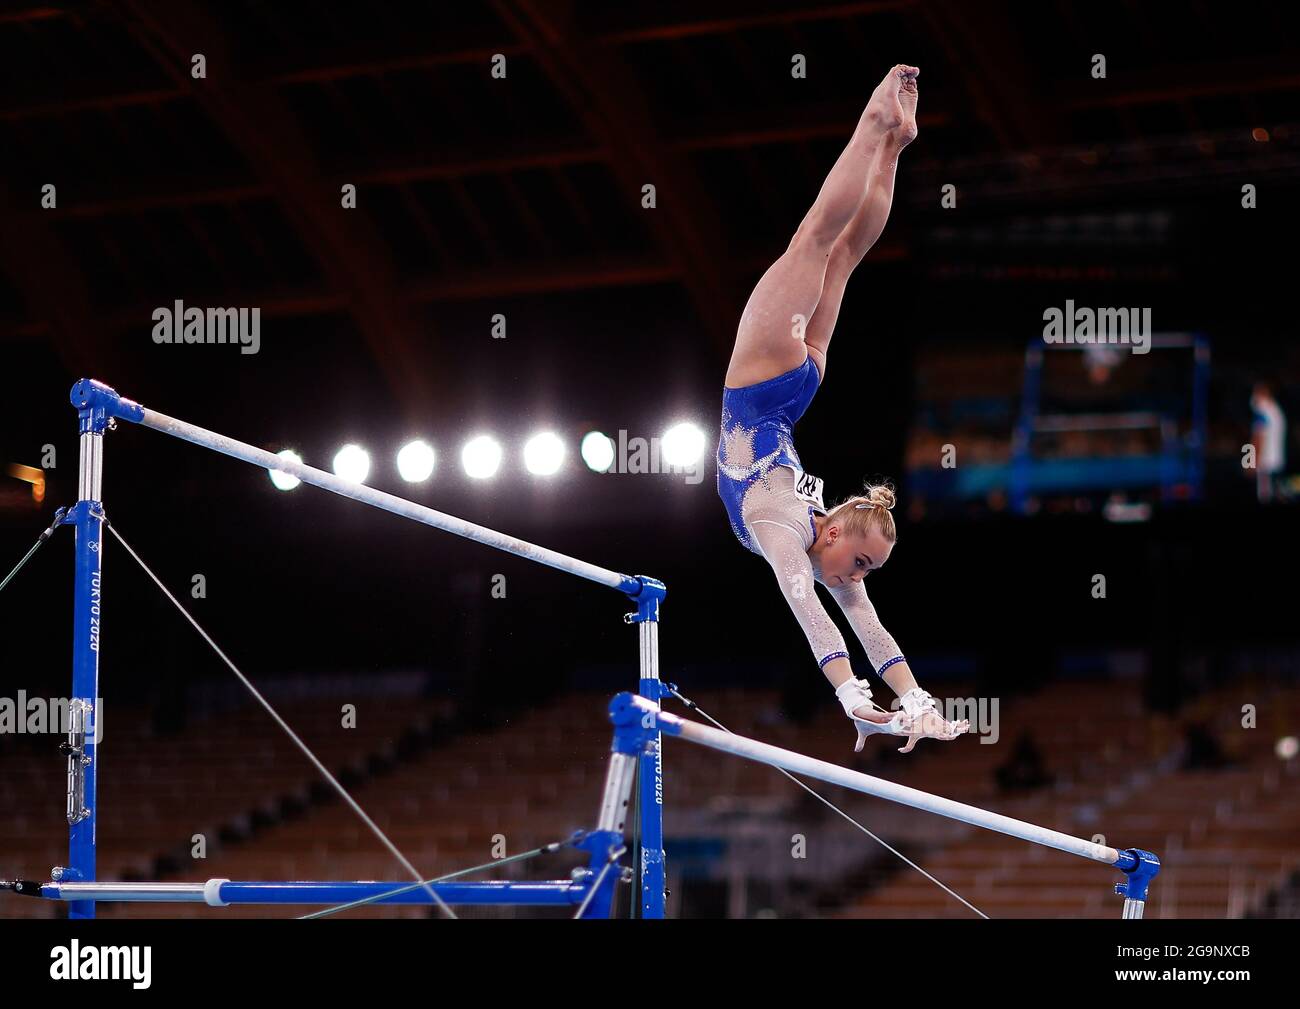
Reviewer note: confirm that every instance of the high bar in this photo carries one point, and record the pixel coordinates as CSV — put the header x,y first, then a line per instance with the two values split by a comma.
x,y
633,710
94,399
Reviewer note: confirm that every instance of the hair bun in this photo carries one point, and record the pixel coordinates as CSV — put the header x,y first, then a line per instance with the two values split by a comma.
x,y
882,496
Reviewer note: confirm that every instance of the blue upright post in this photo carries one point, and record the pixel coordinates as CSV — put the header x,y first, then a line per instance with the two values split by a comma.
x,y
95,405
651,791
81,751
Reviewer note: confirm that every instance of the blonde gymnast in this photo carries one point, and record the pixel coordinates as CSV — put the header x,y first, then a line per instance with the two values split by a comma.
x,y
778,363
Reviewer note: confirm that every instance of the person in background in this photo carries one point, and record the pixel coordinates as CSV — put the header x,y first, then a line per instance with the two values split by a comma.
x,y
1268,435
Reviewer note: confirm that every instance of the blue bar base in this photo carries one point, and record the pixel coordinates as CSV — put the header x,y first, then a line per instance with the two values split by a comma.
x,y
97,404
1141,867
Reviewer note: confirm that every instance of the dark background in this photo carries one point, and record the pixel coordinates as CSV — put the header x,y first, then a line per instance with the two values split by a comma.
x,y
479,196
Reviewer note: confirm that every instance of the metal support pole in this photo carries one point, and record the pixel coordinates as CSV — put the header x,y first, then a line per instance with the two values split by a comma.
x,y
224,892
651,793
81,749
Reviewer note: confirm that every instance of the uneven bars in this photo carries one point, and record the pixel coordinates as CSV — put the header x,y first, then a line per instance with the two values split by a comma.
x,y
89,395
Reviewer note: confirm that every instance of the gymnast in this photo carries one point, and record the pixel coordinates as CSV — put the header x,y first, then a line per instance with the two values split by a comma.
x,y
779,360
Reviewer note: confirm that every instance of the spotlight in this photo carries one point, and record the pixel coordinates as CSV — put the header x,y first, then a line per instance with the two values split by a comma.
x,y
481,457
352,463
415,461
682,445
281,479
544,454
598,451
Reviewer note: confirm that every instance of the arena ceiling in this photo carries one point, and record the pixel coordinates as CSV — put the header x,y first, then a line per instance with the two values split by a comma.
x,y
474,188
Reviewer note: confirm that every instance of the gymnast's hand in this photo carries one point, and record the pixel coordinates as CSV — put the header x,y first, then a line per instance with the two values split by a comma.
x,y
868,717
869,720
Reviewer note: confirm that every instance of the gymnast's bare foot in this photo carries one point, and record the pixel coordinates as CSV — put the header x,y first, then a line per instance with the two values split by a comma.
x,y
906,131
885,108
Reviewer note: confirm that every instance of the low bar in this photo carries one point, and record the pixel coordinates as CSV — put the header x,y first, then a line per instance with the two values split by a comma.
x,y
636,719
822,770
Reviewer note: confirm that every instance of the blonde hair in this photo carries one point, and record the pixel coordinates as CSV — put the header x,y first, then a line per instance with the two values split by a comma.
x,y
869,510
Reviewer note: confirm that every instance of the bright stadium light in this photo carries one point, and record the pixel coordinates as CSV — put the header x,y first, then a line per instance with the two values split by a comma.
x,y
481,457
415,461
598,451
544,454
281,479
352,463
682,445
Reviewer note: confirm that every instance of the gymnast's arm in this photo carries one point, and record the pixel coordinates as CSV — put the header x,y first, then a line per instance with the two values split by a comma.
x,y
923,717
783,549
883,651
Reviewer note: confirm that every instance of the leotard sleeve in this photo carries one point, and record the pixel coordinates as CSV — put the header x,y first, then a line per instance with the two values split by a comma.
x,y
780,526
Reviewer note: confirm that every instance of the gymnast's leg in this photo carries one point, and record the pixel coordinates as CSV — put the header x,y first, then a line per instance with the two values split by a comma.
x,y
861,233
770,338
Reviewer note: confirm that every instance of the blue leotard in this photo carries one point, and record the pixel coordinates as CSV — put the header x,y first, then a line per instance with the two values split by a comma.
x,y
757,435
771,503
